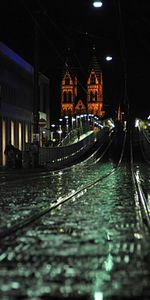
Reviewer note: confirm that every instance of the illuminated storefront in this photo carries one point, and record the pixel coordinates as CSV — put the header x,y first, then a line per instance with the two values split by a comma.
x,y
16,101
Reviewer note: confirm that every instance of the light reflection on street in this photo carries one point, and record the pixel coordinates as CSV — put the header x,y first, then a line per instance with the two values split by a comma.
x,y
91,245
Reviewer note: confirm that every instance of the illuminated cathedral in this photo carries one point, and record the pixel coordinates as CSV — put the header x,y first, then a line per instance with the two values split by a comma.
x,y
92,103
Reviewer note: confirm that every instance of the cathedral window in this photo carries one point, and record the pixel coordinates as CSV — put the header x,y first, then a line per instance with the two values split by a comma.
x,y
69,97
92,97
65,97
92,80
96,96
67,80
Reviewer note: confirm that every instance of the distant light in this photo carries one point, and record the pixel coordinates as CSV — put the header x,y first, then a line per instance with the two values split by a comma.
x,y
137,123
97,4
148,117
59,131
98,296
108,58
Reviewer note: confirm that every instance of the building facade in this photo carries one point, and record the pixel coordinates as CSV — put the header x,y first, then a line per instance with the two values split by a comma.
x,y
16,102
93,103
68,93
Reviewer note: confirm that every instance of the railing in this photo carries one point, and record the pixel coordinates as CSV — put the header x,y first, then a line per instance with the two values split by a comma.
x,y
145,144
72,135
56,156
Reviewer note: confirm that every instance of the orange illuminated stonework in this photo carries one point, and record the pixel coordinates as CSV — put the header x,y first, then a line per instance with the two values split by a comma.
x,y
93,101
95,94
80,108
68,93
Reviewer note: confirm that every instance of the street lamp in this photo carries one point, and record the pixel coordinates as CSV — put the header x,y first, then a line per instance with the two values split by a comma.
x,y
73,119
108,58
59,132
77,121
35,89
97,3
122,49
52,132
67,125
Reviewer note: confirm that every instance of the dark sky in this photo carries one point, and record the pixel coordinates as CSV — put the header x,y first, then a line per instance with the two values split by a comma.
x,y
63,24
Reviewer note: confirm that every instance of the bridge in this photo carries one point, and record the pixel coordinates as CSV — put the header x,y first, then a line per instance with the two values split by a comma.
x,y
78,227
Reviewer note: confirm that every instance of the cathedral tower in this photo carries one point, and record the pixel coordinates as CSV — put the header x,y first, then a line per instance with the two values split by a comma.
x,y
95,89
68,92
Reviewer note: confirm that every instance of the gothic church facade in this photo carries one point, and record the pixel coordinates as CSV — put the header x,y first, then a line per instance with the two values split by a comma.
x,y
93,103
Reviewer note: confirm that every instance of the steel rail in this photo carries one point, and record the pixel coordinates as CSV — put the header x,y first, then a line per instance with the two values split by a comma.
x,y
47,173
142,147
61,200
141,202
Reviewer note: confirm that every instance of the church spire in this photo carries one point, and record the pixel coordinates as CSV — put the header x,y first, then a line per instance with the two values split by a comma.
x,y
95,86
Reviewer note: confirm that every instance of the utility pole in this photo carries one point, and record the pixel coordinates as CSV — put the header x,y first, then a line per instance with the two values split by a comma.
x,y
36,86
123,55
36,137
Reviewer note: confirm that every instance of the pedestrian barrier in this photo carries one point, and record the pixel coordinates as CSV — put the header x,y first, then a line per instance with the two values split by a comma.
x,y
65,154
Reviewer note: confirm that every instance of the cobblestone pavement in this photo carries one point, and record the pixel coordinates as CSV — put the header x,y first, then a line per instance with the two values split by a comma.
x,y
94,246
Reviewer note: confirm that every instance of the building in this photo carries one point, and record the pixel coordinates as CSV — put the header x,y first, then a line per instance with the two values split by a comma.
x,y
16,102
68,92
93,103
95,89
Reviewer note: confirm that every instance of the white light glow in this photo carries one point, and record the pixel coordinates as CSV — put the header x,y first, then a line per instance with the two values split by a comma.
x,y
136,123
97,4
26,134
20,136
108,58
12,133
98,296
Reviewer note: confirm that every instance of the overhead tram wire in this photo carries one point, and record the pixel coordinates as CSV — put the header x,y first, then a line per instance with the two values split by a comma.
x,y
61,33
123,52
59,55
68,42
34,19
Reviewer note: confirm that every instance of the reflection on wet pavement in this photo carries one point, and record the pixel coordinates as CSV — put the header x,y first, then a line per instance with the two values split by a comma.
x,y
91,247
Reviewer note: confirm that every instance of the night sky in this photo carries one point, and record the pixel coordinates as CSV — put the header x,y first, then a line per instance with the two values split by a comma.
x,y
71,28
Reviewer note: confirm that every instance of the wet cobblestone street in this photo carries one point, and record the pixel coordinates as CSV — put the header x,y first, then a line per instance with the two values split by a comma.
x,y
93,246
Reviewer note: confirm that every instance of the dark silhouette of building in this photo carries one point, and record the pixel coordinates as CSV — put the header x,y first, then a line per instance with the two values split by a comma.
x,y
16,102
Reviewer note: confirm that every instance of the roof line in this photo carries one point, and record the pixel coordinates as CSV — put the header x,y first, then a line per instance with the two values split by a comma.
x,y
15,58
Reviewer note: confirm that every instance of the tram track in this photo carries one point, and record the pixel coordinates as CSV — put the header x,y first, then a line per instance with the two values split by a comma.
x,y
143,209
145,151
80,240
32,174
61,200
